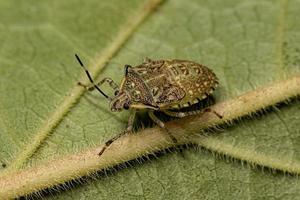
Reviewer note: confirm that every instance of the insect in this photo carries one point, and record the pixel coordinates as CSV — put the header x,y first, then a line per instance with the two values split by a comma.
x,y
157,85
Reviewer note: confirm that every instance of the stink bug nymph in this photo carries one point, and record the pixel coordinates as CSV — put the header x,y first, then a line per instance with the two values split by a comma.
x,y
158,85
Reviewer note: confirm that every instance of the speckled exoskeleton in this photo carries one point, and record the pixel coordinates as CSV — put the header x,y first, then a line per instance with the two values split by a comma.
x,y
158,85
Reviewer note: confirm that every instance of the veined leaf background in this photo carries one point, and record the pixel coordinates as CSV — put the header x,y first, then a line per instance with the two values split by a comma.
x,y
247,43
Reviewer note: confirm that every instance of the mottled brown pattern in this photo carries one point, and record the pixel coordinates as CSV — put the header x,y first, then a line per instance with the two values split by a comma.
x,y
176,83
137,88
158,85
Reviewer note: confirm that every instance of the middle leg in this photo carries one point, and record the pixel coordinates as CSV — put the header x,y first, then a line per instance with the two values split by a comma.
x,y
161,125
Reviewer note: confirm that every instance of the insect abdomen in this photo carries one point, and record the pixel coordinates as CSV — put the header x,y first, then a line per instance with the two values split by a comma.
x,y
196,80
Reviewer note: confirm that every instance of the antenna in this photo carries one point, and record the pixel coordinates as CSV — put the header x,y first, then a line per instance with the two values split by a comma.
x,y
89,76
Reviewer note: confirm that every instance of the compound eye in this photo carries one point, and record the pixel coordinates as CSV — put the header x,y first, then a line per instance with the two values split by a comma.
x,y
126,106
117,92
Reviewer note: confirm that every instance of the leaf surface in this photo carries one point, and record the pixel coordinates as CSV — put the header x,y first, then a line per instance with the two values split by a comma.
x,y
246,43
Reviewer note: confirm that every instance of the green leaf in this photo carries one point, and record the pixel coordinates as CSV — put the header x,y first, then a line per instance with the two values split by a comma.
x,y
247,44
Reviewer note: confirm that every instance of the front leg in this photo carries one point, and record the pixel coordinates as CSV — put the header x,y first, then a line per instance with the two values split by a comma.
x,y
161,125
128,130
111,83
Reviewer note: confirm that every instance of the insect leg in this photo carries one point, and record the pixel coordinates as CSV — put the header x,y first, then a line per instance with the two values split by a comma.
x,y
181,114
189,113
131,121
109,142
128,130
161,125
108,80
89,76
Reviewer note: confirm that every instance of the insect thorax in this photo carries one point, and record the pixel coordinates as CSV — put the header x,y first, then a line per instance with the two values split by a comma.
x,y
137,89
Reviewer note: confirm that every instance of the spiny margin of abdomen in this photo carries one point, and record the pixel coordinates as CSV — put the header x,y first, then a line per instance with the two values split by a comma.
x,y
198,82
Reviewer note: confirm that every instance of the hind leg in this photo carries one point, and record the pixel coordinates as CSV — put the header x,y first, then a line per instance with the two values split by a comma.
x,y
189,113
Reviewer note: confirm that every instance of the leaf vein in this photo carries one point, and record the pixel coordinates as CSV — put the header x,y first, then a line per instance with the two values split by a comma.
x,y
71,100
